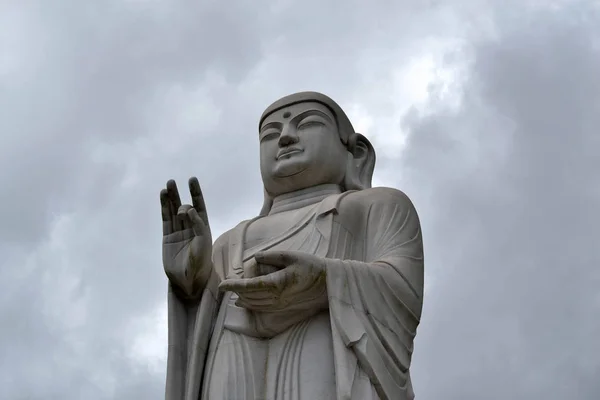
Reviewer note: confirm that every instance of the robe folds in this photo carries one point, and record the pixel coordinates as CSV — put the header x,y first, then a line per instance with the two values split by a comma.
x,y
372,243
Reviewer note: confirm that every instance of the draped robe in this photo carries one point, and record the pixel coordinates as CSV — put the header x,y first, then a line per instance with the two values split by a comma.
x,y
359,348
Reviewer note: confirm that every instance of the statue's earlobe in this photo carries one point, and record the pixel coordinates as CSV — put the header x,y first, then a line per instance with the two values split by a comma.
x,y
267,204
361,163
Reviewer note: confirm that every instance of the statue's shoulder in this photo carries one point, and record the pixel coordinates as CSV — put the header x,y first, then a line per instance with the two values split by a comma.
x,y
359,200
380,205
222,241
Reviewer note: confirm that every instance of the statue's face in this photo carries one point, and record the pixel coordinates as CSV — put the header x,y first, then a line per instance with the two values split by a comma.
x,y
300,147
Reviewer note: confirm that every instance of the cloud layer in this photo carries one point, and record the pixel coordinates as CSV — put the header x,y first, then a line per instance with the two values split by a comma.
x,y
484,113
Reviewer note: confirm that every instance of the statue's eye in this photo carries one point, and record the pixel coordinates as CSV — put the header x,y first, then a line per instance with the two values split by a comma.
x,y
310,122
269,134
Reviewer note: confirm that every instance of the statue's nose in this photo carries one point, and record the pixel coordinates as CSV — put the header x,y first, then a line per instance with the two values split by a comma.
x,y
288,136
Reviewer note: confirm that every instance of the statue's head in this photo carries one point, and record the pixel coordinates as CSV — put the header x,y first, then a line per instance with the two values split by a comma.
x,y
307,140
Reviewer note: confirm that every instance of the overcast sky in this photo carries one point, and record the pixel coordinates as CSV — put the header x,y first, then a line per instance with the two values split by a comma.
x,y
486,113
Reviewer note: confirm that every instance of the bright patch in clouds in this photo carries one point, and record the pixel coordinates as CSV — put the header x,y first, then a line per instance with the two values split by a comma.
x,y
410,85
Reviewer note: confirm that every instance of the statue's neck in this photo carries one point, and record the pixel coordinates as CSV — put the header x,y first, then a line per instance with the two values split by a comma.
x,y
302,198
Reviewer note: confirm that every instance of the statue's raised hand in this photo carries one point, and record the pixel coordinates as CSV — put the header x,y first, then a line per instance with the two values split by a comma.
x,y
187,241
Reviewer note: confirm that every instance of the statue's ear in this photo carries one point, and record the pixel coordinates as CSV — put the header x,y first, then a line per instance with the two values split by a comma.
x,y
361,163
267,204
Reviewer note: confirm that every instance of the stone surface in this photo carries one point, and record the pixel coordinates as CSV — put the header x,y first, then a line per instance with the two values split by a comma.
x,y
319,296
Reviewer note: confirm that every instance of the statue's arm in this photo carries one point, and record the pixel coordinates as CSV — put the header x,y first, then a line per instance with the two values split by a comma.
x,y
394,245
376,302
191,321
390,233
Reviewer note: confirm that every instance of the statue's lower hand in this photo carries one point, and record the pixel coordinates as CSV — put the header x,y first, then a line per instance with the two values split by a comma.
x,y
299,284
187,240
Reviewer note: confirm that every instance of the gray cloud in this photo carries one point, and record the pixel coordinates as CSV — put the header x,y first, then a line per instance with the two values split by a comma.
x,y
511,214
100,105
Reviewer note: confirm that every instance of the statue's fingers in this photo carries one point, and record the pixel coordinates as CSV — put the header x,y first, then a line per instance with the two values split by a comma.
x,y
176,222
166,212
266,305
174,193
231,285
164,205
275,281
198,224
175,203
257,295
182,215
246,285
276,258
183,209
198,199
265,300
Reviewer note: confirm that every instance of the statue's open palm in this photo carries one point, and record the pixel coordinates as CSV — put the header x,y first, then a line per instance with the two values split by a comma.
x,y
187,240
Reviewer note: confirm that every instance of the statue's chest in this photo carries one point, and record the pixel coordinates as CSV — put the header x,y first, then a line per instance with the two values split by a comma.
x,y
290,230
271,227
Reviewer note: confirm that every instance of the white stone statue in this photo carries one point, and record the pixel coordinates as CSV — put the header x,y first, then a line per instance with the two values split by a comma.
x,y
320,296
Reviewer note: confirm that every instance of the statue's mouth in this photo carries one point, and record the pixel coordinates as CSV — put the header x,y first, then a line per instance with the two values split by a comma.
x,y
288,152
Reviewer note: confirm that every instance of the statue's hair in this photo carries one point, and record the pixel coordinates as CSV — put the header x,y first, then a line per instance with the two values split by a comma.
x,y
355,178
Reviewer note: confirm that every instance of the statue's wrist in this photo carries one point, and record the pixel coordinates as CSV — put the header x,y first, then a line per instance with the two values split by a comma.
x,y
190,282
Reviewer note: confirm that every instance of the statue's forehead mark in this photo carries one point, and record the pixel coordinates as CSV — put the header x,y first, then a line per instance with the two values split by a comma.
x,y
299,110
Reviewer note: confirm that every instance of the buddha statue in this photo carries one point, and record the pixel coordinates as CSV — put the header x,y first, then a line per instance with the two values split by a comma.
x,y
317,297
